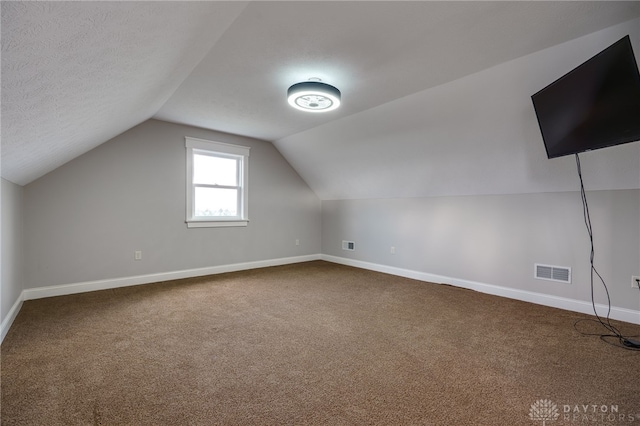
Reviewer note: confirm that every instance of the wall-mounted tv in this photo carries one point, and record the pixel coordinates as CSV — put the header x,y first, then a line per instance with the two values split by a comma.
x,y
594,106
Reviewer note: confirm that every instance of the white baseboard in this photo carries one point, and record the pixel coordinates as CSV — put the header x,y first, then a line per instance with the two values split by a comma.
x,y
11,316
83,287
64,289
621,314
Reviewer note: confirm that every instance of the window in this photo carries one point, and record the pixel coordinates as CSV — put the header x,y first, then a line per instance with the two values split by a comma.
x,y
217,180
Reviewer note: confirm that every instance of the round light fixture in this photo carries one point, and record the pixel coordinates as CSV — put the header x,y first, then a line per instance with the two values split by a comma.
x,y
313,96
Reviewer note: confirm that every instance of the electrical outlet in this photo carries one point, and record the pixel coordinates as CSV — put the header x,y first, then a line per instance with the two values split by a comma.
x,y
297,242
137,255
634,281
348,245
392,250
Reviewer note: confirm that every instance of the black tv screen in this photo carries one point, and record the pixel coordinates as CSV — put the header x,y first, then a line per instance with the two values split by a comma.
x,y
594,106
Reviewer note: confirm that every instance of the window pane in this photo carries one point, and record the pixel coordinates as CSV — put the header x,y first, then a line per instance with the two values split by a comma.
x,y
215,170
216,202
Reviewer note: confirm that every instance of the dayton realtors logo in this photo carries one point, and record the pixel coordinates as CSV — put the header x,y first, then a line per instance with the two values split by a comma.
x,y
545,410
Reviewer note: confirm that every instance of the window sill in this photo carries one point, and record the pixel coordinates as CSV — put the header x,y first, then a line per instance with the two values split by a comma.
x,y
216,223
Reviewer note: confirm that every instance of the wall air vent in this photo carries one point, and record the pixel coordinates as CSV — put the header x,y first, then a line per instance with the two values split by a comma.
x,y
553,273
348,245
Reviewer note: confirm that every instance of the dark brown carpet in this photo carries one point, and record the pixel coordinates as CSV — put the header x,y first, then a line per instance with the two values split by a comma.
x,y
311,343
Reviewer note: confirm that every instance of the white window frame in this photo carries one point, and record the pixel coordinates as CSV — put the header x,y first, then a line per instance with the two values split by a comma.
x,y
225,150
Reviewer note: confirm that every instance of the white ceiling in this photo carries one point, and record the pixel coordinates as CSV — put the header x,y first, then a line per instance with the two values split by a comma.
x,y
75,74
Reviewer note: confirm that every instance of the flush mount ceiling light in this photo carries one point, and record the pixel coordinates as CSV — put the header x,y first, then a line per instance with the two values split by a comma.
x,y
313,96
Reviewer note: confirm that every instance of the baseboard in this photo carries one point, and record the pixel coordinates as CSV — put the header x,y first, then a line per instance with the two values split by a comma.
x,y
83,287
11,316
621,314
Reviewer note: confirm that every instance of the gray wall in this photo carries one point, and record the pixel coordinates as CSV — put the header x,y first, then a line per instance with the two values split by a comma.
x,y
84,220
11,254
497,239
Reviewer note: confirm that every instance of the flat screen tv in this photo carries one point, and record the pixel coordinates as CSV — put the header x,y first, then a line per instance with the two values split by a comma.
x,y
594,106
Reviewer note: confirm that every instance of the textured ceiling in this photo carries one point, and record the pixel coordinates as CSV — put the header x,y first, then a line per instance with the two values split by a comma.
x,y
374,52
75,74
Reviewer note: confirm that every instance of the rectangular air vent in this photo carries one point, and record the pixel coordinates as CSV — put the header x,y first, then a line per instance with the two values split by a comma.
x,y
553,273
348,245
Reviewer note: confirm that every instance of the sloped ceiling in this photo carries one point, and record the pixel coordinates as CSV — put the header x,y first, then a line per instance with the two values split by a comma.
x,y
75,74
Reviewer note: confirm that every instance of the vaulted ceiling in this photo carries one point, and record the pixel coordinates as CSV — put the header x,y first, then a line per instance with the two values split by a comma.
x,y
76,74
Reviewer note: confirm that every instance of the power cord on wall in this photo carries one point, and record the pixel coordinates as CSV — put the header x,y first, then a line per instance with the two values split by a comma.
x,y
624,342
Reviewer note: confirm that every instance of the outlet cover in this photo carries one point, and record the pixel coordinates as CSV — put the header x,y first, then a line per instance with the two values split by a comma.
x,y
348,245
634,281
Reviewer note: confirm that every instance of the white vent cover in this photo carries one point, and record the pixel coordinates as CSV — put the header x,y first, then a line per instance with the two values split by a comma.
x,y
348,245
553,273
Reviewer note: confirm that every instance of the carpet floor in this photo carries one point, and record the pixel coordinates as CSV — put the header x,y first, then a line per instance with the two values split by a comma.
x,y
310,343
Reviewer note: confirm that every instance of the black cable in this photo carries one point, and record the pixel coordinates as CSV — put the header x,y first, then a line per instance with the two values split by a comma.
x,y
623,342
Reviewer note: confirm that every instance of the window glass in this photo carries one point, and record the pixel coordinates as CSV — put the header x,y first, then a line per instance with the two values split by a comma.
x,y
217,180
212,170
216,202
